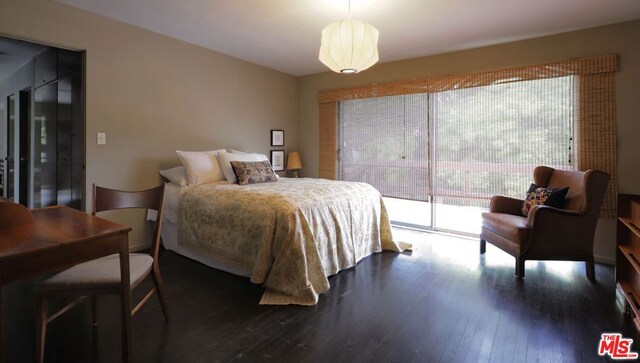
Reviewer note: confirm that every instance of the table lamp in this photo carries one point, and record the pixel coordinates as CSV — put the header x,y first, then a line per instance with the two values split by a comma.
x,y
294,163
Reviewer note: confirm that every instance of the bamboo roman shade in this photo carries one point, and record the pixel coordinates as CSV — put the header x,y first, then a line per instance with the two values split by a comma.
x,y
384,142
487,140
328,139
596,146
587,143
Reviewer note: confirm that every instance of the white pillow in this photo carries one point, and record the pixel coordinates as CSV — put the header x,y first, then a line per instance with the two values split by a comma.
x,y
176,175
226,158
201,166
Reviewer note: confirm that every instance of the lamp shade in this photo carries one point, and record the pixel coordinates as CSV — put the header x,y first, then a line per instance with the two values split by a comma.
x,y
349,46
294,161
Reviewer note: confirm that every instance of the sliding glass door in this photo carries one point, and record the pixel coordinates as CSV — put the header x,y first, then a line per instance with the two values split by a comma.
x,y
384,142
438,158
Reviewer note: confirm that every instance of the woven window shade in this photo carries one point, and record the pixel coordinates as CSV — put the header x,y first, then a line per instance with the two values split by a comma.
x,y
487,140
596,146
384,142
595,123
582,66
328,141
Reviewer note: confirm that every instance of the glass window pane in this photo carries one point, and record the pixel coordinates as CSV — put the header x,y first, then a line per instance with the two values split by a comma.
x,y
488,140
457,149
410,213
383,141
456,218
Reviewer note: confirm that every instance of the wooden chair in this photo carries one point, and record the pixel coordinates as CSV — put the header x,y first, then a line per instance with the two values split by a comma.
x,y
549,233
102,276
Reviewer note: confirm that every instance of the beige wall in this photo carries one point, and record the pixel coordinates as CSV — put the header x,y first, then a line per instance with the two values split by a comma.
x,y
153,94
621,39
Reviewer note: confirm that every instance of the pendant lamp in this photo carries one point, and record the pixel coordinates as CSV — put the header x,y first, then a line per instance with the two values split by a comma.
x,y
349,45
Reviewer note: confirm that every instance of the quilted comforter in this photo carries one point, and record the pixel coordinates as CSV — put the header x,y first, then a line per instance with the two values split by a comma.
x,y
291,234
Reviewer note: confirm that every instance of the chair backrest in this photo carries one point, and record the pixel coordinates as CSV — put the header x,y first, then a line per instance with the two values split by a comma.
x,y
12,214
110,199
586,188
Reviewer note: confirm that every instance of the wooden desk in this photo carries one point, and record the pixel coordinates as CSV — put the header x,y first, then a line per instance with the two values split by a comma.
x,y
60,237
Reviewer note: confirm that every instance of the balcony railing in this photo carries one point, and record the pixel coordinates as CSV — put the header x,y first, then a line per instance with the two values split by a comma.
x,y
457,183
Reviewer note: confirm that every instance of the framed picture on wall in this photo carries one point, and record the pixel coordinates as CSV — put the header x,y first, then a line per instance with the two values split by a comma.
x,y
277,160
277,137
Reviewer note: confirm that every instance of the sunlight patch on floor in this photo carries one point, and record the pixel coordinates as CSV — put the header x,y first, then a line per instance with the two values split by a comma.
x,y
457,250
464,252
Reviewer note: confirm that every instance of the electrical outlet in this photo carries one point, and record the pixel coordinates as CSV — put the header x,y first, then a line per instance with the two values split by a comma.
x,y
152,215
102,138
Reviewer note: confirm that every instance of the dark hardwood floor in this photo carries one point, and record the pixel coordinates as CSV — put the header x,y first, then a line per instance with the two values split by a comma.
x,y
443,302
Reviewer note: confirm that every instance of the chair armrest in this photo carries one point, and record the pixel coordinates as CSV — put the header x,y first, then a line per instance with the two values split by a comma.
x,y
508,205
560,232
556,216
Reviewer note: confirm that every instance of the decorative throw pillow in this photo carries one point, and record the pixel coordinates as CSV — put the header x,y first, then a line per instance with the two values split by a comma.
x,y
252,172
552,197
225,159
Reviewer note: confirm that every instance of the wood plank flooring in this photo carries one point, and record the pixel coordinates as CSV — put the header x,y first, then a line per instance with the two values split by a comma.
x,y
443,302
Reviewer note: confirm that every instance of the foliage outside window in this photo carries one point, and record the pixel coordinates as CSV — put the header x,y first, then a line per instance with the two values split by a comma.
x,y
485,132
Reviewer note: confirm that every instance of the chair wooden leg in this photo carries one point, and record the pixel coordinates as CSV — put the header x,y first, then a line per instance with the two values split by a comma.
x,y
41,326
591,270
157,281
483,246
520,267
94,310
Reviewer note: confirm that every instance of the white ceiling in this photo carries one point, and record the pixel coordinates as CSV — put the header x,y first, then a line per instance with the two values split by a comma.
x,y
285,34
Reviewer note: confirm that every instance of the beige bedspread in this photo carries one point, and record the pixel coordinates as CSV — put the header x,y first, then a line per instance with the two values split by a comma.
x,y
291,234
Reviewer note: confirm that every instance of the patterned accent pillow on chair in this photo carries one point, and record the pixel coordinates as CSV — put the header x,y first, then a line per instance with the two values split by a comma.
x,y
552,197
252,172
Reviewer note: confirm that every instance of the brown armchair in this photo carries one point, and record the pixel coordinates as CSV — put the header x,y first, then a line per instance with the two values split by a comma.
x,y
549,233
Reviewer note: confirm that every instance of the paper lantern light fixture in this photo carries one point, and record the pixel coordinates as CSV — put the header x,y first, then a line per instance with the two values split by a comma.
x,y
349,45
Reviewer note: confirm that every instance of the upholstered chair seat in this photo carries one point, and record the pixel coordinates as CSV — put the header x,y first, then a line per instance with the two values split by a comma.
x,y
100,273
511,227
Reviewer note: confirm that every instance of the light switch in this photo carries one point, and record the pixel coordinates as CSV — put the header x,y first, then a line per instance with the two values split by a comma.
x,y
102,138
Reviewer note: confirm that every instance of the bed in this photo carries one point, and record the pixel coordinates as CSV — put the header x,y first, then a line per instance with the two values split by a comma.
x,y
288,235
